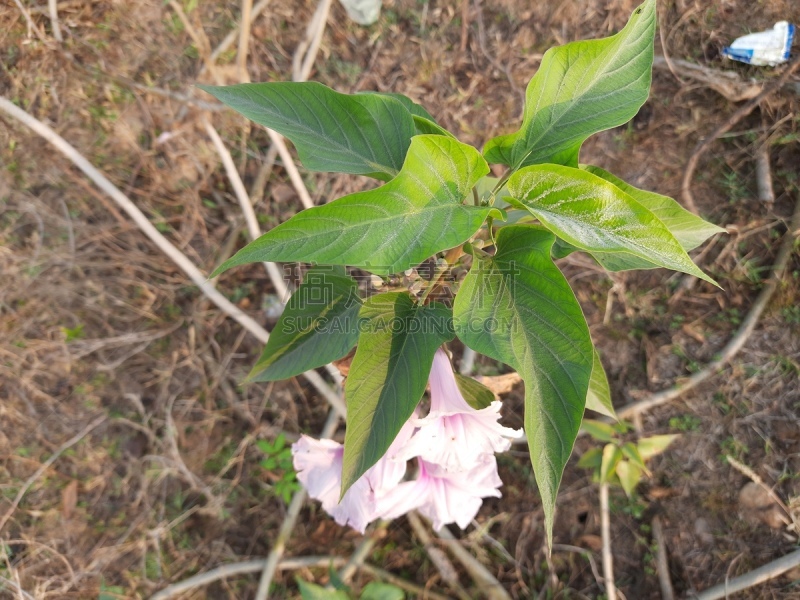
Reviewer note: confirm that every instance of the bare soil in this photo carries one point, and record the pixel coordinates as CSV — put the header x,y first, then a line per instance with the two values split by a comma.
x,y
95,321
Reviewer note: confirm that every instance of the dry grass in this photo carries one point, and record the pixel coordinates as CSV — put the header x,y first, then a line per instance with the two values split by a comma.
x,y
94,321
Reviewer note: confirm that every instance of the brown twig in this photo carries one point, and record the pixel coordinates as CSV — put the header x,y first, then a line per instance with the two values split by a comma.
x,y
253,229
487,583
741,113
244,40
47,464
758,576
755,478
52,7
439,559
764,175
662,564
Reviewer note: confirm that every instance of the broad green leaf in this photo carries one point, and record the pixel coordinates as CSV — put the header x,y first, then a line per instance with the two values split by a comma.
x,y
377,590
598,398
689,229
318,325
477,395
581,88
423,121
591,459
388,229
312,591
518,308
361,134
654,445
631,452
629,476
611,457
388,375
596,216
602,432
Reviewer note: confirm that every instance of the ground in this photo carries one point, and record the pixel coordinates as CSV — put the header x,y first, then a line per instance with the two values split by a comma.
x,y
96,322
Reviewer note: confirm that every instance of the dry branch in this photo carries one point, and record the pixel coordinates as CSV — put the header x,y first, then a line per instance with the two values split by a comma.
x,y
486,582
765,573
662,562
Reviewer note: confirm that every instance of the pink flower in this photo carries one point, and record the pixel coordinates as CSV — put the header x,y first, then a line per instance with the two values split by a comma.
x,y
446,497
319,468
454,435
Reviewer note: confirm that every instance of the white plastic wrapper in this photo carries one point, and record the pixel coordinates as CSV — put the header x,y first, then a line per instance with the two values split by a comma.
x,y
363,12
766,48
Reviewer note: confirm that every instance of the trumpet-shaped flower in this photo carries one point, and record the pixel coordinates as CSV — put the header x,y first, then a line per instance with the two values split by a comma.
x,y
454,435
319,468
445,496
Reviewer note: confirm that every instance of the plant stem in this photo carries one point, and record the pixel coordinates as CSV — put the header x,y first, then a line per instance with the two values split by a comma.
x,y
605,532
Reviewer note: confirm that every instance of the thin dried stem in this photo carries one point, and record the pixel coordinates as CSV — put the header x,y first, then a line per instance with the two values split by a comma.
x,y
758,576
244,40
662,564
486,582
253,229
52,7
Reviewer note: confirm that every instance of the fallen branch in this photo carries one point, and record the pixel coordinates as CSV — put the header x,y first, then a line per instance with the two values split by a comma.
x,y
725,83
763,175
487,583
737,116
52,7
245,568
47,464
765,573
738,341
439,559
164,245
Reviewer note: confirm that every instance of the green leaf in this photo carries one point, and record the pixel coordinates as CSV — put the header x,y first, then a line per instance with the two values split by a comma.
x,y
423,121
591,459
318,325
376,590
388,375
391,228
654,445
631,452
611,457
596,216
312,591
361,134
518,308
598,398
477,395
581,88
602,432
629,476
689,229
